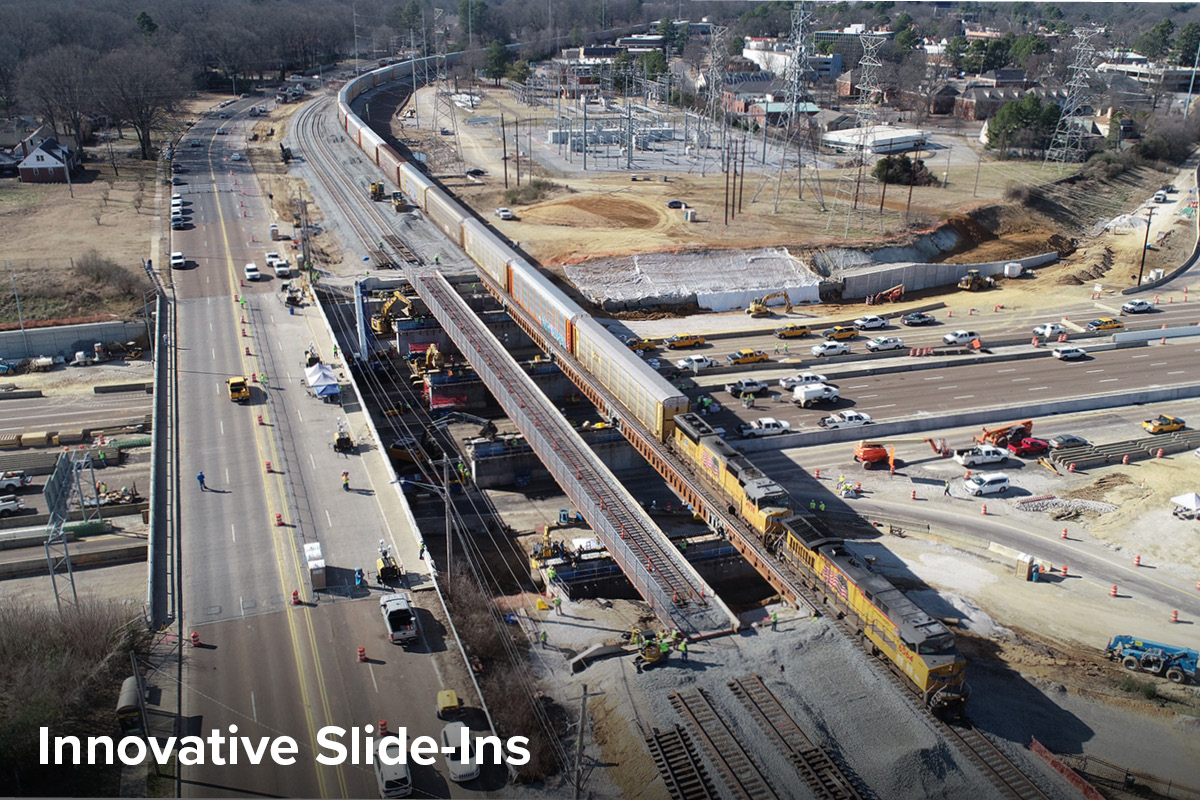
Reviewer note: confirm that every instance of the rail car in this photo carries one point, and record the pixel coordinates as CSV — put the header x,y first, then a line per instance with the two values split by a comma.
x,y
920,647
652,400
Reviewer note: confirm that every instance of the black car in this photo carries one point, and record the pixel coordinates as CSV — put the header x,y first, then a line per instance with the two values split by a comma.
x,y
476,173
918,318
676,204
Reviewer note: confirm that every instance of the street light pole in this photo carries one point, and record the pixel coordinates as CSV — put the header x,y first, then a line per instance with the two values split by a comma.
x,y
1192,82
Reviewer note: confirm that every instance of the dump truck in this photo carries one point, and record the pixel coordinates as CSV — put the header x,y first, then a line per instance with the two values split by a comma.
x,y
1173,662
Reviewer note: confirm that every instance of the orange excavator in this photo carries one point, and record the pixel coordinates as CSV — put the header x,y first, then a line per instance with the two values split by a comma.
x,y
1000,437
888,296
883,452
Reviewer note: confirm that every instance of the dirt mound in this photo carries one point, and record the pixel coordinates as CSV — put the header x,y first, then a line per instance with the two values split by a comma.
x,y
1100,489
1062,244
596,211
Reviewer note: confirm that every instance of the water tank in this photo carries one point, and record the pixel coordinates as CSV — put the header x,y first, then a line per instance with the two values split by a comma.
x,y
1013,270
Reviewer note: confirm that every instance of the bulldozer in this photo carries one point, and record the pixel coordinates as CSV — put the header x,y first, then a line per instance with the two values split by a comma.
x,y
381,323
974,282
877,453
399,203
377,191
1000,437
758,307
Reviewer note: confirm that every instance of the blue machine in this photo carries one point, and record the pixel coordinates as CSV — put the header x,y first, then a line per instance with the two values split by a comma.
x,y
1171,661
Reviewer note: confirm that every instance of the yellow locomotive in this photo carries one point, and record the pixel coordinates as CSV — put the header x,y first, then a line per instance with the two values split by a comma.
x,y
754,497
921,647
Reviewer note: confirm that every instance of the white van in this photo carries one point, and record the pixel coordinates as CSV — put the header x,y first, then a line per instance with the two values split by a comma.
x,y
804,396
252,273
986,483
393,779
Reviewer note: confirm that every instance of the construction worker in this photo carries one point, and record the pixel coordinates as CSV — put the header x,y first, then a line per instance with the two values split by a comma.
x,y
683,649
785,349
812,505
664,647
557,606
946,489
345,481
335,351
822,506
421,551
776,349
542,637
774,619
635,636
200,480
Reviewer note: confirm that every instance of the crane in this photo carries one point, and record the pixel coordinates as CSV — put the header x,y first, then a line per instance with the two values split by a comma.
x,y
758,307
1000,437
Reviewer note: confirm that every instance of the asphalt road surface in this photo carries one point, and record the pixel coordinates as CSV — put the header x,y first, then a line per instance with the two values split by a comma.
x,y
61,412
265,665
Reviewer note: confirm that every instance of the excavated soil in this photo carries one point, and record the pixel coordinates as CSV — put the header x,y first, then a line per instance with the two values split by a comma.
x,y
596,212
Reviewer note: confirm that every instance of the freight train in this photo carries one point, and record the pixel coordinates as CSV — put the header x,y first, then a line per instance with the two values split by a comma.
x,y
642,391
919,646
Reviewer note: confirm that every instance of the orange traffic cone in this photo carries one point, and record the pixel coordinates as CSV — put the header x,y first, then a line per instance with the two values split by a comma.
x,y
195,639
362,654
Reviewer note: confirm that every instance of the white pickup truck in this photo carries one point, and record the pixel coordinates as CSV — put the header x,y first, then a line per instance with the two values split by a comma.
x,y
14,479
399,616
980,455
764,426
845,419
804,396
10,504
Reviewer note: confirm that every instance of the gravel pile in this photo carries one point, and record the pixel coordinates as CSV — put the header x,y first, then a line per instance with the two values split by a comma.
x,y
1061,504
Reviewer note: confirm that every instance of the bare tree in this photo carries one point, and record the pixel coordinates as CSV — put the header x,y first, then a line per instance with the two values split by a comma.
x,y
61,86
143,88
233,49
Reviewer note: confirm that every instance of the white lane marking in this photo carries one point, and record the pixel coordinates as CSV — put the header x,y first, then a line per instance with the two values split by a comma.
x,y
227,476
1018,380
253,707
1145,355
210,327
1158,363
1014,369
944,388
233,532
272,319
868,396
329,517
298,414
859,386
964,397
934,378
242,605
1038,389
889,405
280,345
1177,372
289,374
312,461
373,681
1108,380
222,424
1091,371
214,354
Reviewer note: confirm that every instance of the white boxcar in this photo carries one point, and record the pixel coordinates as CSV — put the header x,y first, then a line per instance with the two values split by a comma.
x,y
487,249
415,183
646,394
445,213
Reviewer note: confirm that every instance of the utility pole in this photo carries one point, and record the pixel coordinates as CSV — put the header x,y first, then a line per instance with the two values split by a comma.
x,y
20,317
517,146
354,14
1145,244
912,178
1192,82
449,523
504,146
979,166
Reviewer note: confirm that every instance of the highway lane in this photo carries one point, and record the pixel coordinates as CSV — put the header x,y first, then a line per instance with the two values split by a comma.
x,y
967,386
74,410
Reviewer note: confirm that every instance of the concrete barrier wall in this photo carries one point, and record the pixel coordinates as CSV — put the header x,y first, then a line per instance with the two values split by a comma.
x,y
66,340
1161,333
916,277
982,417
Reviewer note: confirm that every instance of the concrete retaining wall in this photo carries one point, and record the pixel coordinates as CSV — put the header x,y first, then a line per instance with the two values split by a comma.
x,y
916,277
1161,333
66,340
983,417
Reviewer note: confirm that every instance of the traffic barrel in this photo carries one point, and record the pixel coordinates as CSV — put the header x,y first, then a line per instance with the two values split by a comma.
x,y
247,349
195,639
362,655
1137,561
1072,467
295,597
267,464
279,520
1034,341
1064,570
983,510
912,495
1159,453
254,377
382,727
1174,616
817,474
1113,591
243,333
1064,534
260,420
1125,459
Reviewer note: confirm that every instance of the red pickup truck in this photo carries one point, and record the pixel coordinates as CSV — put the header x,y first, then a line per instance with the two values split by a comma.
x,y
1028,447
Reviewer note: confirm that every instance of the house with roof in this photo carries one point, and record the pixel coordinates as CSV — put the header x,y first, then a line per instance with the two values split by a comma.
x,y
49,162
1002,78
981,102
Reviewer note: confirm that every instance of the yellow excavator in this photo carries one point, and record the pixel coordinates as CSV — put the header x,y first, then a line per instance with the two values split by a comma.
x,y
377,191
381,323
758,307
431,360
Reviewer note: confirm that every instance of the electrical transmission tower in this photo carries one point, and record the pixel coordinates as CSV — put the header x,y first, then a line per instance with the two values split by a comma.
x,y
1067,144
852,190
714,110
443,96
800,128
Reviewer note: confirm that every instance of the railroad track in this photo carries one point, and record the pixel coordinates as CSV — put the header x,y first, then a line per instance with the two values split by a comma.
x,y
404,251
742,777
680,767
1004,774
815,765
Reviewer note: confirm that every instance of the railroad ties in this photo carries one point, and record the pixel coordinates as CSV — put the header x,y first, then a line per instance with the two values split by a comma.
x,y
380,259
401,249
1000,770
818,769
680,767
743,778
678,596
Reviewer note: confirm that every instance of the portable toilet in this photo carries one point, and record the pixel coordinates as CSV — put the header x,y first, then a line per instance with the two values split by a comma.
x,y
316,564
